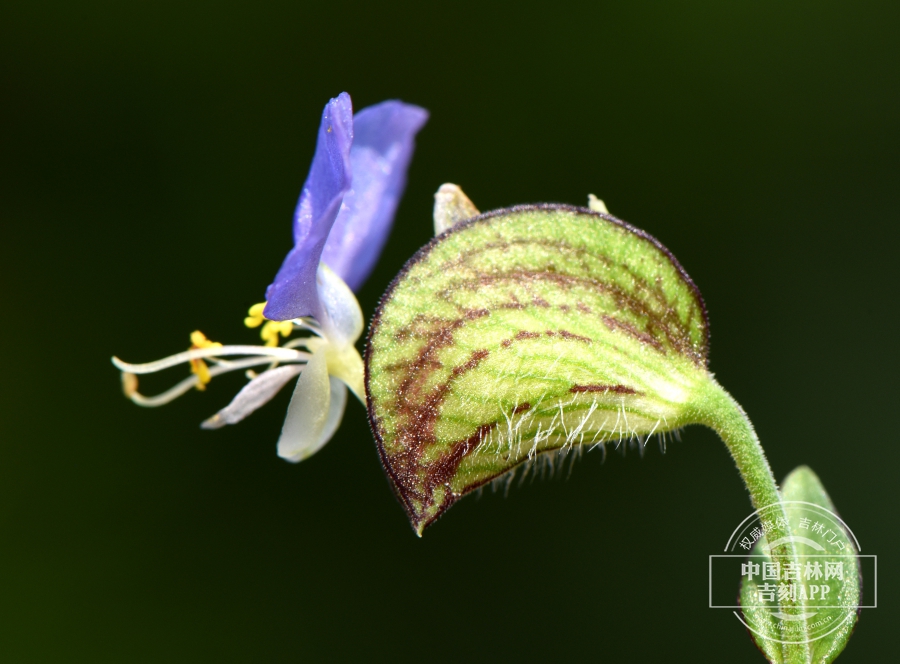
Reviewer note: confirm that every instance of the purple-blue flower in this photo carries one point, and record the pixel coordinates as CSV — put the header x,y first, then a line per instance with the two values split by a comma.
x,y
348,201
342,220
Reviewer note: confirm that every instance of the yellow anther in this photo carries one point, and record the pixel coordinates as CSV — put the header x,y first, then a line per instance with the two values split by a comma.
x,y
199,340
255,316
273,328
198,366
129,384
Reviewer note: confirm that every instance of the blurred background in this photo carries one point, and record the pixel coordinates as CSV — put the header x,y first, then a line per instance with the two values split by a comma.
x,y
150,160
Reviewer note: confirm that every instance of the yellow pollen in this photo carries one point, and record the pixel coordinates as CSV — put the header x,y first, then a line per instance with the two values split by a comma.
x,y
198,367
129,384
255,316
271,329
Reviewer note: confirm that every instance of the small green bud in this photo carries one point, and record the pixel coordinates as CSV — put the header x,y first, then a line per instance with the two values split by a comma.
x,y
826,595
525,331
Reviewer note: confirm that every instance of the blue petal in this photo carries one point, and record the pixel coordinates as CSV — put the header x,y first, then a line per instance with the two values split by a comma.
x,y
293,293
383,145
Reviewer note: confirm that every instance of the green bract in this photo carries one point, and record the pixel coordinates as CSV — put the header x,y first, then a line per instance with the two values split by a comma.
x,y
526,330
543,329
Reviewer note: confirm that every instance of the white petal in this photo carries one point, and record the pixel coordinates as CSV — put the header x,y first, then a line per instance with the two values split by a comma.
x,y
253,395
315,411
343,322
335,411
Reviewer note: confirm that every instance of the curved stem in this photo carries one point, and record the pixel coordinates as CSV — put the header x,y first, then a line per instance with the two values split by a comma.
x,y
727,418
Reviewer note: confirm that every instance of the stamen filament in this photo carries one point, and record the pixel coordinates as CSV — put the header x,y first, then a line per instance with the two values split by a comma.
x,y
297,343
308,324
169,395
191,381
280,353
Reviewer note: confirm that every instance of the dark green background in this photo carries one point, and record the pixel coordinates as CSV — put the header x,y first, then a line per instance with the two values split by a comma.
x,y
150,158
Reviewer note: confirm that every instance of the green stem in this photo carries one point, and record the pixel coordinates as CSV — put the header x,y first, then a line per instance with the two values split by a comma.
x,y
727,418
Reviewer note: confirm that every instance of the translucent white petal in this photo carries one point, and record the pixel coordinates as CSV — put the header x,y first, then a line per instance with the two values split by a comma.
x,y
335,412
343,322
315,411
253,395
